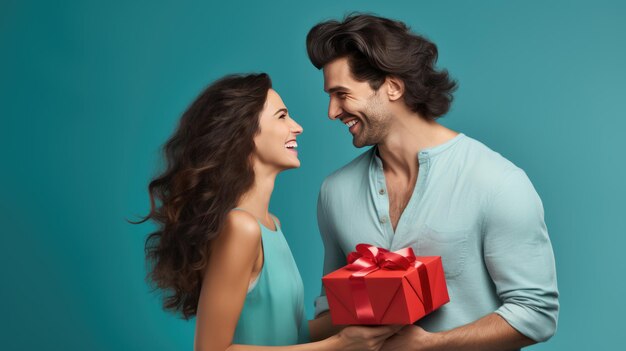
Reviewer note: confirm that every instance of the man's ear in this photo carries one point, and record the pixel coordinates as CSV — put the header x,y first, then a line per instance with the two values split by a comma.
x,y
395,88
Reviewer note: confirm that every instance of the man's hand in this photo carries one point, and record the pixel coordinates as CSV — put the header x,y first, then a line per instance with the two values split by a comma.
x,y
412,335
365,338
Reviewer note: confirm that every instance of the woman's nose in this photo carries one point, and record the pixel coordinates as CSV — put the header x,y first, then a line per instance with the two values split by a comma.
x,y
296,128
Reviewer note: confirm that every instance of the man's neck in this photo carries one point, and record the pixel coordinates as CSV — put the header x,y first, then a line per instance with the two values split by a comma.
x,y
410,134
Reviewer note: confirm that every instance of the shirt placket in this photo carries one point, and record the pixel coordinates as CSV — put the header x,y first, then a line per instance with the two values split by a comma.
x,y
409,215
378,188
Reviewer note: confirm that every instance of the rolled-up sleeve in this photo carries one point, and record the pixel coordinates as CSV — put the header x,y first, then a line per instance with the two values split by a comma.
x,y
519,258
333,256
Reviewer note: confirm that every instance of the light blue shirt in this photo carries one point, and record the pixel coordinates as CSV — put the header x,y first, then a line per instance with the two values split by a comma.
x,y
472,207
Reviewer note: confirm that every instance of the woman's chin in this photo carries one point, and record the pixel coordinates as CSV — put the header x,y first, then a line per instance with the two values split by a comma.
x,y
295,164
291,164
294,161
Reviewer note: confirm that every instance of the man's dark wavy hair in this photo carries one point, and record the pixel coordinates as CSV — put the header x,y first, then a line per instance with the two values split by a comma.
x,y
378,47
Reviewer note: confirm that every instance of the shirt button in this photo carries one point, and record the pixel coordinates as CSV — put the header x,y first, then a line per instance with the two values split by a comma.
x,y
381,191
383,220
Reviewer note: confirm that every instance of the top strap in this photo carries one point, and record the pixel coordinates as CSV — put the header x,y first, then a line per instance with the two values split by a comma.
x,y
276,225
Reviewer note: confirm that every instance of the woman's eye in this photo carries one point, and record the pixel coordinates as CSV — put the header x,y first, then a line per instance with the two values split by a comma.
x,y
282,116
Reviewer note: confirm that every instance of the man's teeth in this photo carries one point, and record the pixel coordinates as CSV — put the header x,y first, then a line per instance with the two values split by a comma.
x,y
351,123
291,145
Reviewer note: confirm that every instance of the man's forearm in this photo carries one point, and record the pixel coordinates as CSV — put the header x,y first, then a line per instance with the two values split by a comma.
x,y
490,333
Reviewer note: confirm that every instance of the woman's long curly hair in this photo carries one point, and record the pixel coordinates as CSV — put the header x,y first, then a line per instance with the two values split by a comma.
x,y
208,168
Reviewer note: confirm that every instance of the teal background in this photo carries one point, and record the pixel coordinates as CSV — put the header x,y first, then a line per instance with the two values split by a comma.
x,y
89,91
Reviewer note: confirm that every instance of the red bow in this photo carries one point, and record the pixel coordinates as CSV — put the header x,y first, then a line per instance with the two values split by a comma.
x,y
369,256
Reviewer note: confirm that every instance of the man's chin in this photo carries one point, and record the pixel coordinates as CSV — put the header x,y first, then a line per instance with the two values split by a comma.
x,y
359,143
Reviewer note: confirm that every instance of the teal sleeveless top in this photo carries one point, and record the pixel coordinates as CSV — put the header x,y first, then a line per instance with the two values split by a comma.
x,y
273,312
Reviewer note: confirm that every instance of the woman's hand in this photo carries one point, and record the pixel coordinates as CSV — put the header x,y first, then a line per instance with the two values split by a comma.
x,y
359,338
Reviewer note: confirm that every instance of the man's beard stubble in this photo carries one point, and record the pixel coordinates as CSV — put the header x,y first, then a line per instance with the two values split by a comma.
x,y
375,123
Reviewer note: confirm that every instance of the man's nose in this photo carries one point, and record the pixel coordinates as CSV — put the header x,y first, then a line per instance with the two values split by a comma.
x,y
334,110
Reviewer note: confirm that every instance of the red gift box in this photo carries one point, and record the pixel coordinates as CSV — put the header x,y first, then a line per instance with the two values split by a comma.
x,y
382,287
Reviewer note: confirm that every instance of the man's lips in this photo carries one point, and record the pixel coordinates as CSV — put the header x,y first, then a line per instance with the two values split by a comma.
x,y
352,123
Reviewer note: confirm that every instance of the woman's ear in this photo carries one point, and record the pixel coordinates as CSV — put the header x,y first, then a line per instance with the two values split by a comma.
x,y
395,88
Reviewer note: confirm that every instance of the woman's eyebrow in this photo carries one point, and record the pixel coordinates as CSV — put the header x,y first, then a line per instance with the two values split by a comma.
x,y
281,110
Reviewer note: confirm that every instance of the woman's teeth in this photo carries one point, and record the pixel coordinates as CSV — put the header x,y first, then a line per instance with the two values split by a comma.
x,y
291,145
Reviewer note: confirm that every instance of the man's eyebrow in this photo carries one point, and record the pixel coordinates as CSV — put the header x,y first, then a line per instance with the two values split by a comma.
x,y
281,110
336,89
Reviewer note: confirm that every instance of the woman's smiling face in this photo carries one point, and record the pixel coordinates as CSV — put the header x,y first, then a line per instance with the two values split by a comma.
x,y
276,141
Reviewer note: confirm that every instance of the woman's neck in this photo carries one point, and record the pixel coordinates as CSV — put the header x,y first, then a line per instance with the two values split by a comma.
x,y
257,199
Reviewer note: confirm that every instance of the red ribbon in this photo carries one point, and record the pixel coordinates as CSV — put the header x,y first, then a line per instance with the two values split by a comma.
x,y
367,259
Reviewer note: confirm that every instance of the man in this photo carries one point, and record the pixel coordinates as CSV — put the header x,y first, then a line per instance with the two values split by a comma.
x,y
428,187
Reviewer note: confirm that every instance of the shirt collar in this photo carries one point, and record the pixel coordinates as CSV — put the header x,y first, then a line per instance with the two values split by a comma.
x,y
422,155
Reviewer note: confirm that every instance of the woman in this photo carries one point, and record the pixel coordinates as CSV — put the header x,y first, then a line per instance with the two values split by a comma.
x,y
218,250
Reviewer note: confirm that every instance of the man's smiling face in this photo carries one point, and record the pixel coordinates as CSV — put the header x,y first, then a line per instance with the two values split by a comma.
x,y
362,109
